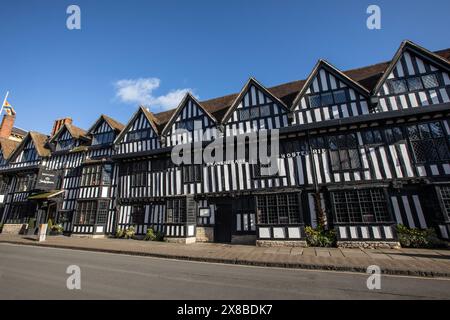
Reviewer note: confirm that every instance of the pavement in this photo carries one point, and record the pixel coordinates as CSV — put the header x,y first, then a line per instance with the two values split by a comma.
x,y
48,273
412,262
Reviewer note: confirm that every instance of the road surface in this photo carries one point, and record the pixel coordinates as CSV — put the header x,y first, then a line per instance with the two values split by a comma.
x,y
40,273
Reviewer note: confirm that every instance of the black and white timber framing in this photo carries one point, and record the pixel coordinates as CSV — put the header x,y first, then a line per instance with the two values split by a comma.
x,y
369,147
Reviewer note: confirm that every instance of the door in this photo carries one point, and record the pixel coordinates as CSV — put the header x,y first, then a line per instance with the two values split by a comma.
x,y
223,222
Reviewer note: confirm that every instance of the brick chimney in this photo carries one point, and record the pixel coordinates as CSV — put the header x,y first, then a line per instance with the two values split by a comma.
x,y
7,125
59,123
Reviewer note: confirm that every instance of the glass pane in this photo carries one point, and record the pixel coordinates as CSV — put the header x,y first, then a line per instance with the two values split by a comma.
x,y
339,96
327,99
314,101
436,130
424,131
398,86
430,81
265,111
415,84
244,114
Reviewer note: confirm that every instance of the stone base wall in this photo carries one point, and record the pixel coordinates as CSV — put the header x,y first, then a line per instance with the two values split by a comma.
x,y
278,243
369,244
15,228
243,239
181,240
205,234
90,236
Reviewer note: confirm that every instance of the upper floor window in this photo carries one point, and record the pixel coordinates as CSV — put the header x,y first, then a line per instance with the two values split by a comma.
x,y
4,185
25,183
254,112
372,137
96,175
399,86
429,143
103,138
64,144
136,135
192,173
187,124
344,153
328,98
393,135
29,154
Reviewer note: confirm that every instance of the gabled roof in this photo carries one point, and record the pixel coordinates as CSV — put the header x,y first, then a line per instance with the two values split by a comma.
x,y
367,77
75,132
333,70
240,96
188,96
39,141
7,146
440,60
114,124
154,122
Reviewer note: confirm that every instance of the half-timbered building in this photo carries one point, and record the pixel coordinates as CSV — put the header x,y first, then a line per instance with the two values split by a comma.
x,y
363,150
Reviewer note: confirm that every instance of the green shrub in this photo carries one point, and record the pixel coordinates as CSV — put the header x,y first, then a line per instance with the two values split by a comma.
x,y
119,233
319,237
49,226
129,233
57,229
153,236
418,238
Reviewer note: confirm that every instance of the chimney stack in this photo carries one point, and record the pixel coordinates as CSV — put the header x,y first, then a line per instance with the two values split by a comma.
x,y
7,125
59,123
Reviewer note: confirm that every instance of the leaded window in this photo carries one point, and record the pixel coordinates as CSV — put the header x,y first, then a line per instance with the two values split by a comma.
x,y
86,212
254,112
429,142
176,210
103,138
393,135
25,183
328,98
430,81
344,153
411,84
398,86
66,144
192,173
372,137
21,212
278,208
102,213
360,206
141,134
445,197
29,154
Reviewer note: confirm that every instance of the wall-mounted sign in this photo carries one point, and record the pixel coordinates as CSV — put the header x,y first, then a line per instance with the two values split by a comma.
x,y
47,180
204,212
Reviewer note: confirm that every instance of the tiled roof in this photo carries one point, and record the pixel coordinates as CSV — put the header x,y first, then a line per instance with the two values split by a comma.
x,y
366,76
40,142
116,125
7,146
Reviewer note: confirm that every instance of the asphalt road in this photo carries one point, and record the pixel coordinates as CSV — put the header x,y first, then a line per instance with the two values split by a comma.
x,y
40,273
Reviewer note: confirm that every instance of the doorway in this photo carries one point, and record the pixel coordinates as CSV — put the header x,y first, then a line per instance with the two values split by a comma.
x,y
223,222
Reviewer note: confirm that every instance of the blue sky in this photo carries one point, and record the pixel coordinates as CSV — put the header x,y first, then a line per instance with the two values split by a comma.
x,y
134,51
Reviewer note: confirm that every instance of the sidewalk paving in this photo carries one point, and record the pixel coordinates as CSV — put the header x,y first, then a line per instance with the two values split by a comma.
x,y
416,262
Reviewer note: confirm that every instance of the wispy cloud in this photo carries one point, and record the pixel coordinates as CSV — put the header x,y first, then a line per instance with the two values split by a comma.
x,y
141,91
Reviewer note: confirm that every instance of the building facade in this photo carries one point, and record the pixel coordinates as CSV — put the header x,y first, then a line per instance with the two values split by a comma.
x,y
365,149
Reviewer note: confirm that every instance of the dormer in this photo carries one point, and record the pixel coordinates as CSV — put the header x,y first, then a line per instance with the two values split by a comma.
x,y
140,134
255,108
104,131
329,94
31,149
416,77
68,137
194,120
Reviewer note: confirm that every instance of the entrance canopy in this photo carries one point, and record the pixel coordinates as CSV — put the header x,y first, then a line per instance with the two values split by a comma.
x,y
45,195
